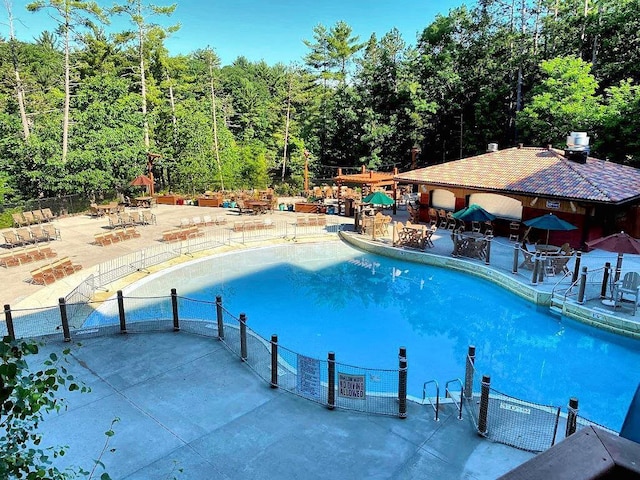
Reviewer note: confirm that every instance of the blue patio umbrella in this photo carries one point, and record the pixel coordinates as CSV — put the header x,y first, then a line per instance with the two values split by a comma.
x,y
378,198
549,222
473,213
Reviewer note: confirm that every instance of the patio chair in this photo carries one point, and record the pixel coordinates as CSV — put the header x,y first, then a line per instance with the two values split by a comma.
x,y
514,231
12,239
433,216
529,257
30,218
38,215
629,286
442,219
148,218
559,261
39,234
452,222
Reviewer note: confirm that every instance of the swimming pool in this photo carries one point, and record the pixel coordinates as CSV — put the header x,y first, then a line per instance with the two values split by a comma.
x,y
331,297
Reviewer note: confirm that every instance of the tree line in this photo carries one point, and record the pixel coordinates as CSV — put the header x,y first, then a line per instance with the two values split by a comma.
x,y
80,108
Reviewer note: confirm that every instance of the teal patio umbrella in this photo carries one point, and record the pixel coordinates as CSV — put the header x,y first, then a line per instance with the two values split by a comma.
x,y
473,213
378,198
549,222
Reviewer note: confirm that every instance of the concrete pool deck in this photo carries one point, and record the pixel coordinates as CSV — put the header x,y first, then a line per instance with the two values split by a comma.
x,y
189,409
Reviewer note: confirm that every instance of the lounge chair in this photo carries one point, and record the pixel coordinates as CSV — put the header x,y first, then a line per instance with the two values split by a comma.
x,y
19,220
48,214
30,218
37,214
629,286
39,234
53,232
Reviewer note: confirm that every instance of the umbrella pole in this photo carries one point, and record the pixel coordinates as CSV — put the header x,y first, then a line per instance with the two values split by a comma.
x,y
618,268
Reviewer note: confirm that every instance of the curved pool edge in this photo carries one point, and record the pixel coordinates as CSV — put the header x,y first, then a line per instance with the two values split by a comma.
x,y
570,309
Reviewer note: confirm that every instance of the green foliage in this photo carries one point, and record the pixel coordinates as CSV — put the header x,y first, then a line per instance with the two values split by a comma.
x,y
25,397
565,101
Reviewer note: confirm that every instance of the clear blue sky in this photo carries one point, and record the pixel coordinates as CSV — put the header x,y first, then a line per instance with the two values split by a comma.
x,y
270,30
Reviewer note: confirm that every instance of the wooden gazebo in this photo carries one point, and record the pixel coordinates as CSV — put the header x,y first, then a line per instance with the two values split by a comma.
x,y
367,180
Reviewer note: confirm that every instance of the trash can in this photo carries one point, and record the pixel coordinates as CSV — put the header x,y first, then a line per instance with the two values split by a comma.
x,y
348,207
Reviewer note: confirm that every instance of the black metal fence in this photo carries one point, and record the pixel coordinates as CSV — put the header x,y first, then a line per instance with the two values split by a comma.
x,y
516,422
327,382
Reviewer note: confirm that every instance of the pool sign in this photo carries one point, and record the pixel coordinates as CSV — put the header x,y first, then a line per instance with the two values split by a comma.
x,y
308,378
351,386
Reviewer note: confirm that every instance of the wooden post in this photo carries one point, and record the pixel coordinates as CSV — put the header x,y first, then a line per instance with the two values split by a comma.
x,y
484,405
576,268
469,370
402,382
9,321
331,380
583,285
572,417
121,314
616,277
243,337
274,361
64,319
174,308
605,280
220,317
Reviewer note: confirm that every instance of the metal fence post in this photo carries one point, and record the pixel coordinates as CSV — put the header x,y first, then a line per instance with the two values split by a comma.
x,y
65,320
605,280
516,251
243,337
220,317
468,373
174,308
583,285
572,417
123,321
274,361
402,382
484,405
9,321
576,267
331,380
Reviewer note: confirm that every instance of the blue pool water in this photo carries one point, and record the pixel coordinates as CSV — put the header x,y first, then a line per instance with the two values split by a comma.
x,y
331,297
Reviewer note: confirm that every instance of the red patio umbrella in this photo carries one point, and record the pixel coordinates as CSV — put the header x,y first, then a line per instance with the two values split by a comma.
x,y
141,181
619,243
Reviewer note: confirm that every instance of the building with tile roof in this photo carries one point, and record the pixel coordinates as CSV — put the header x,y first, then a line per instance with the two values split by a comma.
x,y
520,183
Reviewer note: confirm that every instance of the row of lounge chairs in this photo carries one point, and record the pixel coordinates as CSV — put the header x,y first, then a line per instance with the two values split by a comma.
x,y
248,225
20,256
206,220
48,274
33,234
116,235
127,219
32,217
181,234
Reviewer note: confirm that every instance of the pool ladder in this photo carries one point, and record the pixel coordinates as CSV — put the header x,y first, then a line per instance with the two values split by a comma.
x,y
448,394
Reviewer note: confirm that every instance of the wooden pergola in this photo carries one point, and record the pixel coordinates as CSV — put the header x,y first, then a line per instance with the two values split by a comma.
x,y
368,180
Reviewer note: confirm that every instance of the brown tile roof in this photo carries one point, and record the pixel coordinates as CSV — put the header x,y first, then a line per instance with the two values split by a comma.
x,y
534,171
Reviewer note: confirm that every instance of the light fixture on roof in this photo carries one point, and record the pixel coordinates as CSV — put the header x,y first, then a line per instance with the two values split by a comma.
x,y
492,147
577,147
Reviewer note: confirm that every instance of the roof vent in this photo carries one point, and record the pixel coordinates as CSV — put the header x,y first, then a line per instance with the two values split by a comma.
x,y
492,147
577,147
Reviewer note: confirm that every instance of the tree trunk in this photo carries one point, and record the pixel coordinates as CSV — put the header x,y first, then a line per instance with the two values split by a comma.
x,y
214,115
19,87
143,88
67,93
286,128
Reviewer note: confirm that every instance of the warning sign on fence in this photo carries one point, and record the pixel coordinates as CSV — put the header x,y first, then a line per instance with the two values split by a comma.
x,y
351,386
308,383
